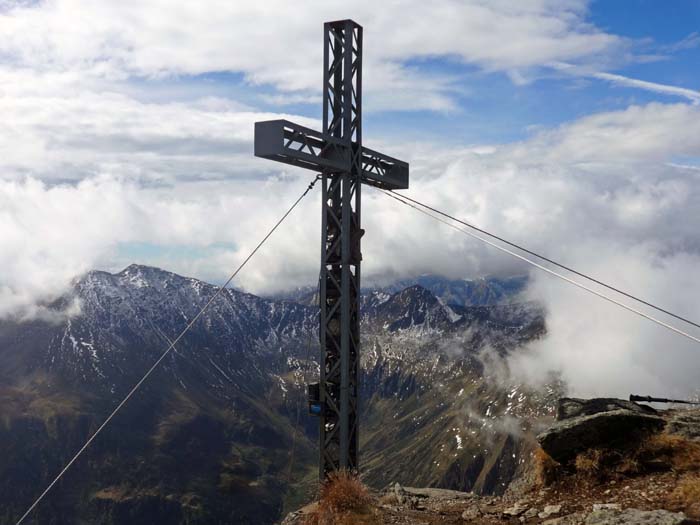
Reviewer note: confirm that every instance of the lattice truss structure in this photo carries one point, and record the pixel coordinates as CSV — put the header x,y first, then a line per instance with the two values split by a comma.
x,y
337,153
340,249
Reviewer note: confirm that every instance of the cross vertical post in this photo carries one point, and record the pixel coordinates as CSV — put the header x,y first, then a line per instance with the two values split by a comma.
x,y
340,252
345,165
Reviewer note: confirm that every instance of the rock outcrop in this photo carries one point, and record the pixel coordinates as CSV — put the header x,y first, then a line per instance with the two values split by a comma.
x,y
565,439
685,423
570,407
637,517
585,424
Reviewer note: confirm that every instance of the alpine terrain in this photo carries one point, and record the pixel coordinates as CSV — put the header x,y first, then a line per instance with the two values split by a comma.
x,y
219,433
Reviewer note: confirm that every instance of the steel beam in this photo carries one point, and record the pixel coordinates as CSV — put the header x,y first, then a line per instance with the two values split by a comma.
x,y
297,145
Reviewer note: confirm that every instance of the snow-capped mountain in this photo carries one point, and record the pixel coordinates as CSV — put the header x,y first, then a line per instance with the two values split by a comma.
x,y
208,437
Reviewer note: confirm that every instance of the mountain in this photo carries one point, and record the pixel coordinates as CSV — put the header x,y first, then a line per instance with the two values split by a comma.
x,y
485,291
207,439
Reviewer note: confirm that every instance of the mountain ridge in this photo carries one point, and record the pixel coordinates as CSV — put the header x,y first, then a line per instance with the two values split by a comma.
x,y
215,423
484,291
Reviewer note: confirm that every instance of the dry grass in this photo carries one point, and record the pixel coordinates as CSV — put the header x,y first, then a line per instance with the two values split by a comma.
x,y
686,496
658,452
629,466
388,499
590,463
113,493
344,501
547,471
600,464
676,452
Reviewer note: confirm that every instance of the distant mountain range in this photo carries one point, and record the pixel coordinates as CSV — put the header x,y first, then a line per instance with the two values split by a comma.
x,y
208,437
486,291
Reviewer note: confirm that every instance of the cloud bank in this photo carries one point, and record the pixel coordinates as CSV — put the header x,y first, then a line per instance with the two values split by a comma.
x,y
598,194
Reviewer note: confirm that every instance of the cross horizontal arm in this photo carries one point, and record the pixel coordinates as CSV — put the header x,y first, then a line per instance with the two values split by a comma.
x,y
291,143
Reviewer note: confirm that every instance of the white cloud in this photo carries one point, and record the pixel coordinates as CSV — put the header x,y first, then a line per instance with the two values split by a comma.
x,y
602,350
619,80
689,42
597,194
58,131
279,42
690,94
50,234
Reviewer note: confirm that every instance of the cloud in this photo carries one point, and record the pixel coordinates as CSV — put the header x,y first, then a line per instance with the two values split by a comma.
x,y
50,234
623,81
56,130
596,194
86,174
664,89
279,44
689,42
601,350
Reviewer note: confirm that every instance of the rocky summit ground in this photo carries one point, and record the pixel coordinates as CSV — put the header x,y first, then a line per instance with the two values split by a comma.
x,y
635,502
630,465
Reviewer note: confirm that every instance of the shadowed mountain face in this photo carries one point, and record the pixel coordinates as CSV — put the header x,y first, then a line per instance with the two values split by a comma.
x,y
207,438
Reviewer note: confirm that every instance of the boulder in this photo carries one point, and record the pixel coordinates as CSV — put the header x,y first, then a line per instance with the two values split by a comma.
x,y
571,519
529,514
549,511
442,494
400,494
570,407
685,423
637,517
567,438
472,513
515,510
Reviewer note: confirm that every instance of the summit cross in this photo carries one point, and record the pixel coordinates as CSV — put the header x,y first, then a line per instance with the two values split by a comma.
x,y
344,164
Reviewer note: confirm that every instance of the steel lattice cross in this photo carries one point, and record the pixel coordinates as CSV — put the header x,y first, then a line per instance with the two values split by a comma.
x,y
337,153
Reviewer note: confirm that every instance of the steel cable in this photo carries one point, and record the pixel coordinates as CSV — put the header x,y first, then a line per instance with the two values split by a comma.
x,y
545,269
555,263
166,352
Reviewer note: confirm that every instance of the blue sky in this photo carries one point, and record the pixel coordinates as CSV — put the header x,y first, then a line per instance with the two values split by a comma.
x,y
664,47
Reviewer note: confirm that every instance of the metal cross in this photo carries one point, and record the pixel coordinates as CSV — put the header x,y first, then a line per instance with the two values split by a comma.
x,y
337,153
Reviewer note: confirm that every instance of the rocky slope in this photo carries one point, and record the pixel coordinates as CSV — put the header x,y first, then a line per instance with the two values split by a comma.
x,y
208,438
623,472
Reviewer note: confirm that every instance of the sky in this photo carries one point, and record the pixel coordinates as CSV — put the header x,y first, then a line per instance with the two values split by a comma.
x,y
569,126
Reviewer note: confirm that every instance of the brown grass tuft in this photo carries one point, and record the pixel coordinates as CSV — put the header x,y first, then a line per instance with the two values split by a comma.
x,y
686,496
388,499
344,501
547,470
677,452
629,467
589,463
658,452
600,464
